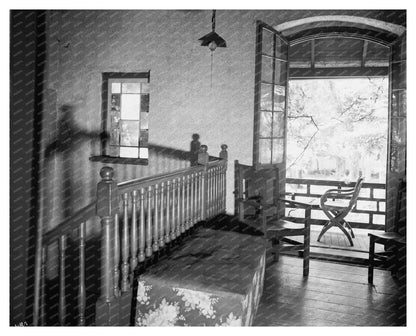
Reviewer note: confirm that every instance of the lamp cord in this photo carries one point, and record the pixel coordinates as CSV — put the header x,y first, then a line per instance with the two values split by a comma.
x,y
212,65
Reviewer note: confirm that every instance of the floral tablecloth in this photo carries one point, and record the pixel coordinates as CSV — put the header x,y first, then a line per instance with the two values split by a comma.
x,y
216,279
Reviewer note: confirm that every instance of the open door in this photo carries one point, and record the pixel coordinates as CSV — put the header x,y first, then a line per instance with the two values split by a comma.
x,y
396,161
270,101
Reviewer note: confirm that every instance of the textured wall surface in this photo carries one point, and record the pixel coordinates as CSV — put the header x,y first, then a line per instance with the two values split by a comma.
x,y
84,44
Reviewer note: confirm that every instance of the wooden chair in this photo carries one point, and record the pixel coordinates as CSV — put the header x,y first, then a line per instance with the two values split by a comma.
x,y
257,204
394,242
337,213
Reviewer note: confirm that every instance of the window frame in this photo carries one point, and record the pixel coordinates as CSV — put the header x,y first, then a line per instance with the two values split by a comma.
x,y
106,153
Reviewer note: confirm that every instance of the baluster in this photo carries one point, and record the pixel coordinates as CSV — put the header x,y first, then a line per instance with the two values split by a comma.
x,y
215,191
168,224
81,289
187,202
142,237
42,286
209,193
156,220
62,299
133,235
179,224
192,217
184,224
149,223
200,189
173,226
204,195
125,244
224,188
219,189
116,265
196,197
162,223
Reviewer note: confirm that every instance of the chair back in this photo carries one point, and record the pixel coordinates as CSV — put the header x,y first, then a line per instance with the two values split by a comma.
x,y
351,193
252,183
400,217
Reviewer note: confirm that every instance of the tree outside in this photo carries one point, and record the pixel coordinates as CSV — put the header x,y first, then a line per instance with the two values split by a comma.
x,y
337,129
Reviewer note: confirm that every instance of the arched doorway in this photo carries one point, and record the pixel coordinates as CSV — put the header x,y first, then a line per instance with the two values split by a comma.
x,y
291,35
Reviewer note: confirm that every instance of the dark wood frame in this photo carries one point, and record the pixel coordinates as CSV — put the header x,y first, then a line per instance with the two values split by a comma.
x,y
257,93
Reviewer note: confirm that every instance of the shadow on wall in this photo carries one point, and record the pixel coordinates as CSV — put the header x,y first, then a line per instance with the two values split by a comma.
x,y
69,137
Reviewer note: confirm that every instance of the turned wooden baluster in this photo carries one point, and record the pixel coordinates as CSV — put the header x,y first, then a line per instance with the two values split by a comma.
x,y
200,190
178,208
203,159
107,207
156,219
116,235
81,290
209,192
215,191
187,215
133,234
62,299
196,194
125,244
184,224
149,223
173,225
193,203
142,231
162,222
168,223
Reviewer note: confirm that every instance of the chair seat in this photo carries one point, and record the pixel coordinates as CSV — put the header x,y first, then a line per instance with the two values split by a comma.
x,y
282,224
389,236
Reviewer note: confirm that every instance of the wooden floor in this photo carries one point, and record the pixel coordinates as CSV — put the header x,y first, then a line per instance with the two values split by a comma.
x,y
335,246
332,295
335,238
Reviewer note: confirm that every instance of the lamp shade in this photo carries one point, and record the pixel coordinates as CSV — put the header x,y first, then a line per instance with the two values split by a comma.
x,y
212,37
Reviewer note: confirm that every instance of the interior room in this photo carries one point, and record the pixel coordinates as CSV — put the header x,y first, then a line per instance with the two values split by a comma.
x,y
208,167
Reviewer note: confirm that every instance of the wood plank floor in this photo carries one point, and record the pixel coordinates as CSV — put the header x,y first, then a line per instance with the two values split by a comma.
x,y
335,238
332,295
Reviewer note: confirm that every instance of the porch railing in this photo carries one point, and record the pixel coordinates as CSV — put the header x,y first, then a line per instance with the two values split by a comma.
x,y
369,212
139,218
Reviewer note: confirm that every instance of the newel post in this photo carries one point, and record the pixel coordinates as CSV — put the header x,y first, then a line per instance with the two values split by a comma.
x,y
203,159
223,154
107,206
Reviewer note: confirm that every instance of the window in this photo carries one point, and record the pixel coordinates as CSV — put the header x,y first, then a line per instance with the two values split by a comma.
x,y
126,115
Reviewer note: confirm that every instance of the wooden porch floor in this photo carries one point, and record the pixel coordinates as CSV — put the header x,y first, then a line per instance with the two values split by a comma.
x,y
335,246
332,295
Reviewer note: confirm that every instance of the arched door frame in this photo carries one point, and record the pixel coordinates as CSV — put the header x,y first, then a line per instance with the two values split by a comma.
x,y
385,33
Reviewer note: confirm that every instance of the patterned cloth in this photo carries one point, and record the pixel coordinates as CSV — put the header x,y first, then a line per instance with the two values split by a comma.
x,y
215,279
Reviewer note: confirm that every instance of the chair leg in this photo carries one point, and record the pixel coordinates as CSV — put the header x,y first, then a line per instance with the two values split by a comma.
x,y
276,254
349,227
326,227
346,234
371,261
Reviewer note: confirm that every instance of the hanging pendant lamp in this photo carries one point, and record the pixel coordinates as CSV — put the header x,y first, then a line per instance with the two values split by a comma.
x,y
212,39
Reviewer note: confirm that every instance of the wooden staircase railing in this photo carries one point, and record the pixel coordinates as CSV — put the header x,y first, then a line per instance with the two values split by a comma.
x,y
139,219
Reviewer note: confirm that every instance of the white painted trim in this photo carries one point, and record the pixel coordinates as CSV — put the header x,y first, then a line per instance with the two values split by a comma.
x,y
390,27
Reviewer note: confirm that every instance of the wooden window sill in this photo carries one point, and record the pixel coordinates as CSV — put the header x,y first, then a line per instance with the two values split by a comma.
x,y
119,160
